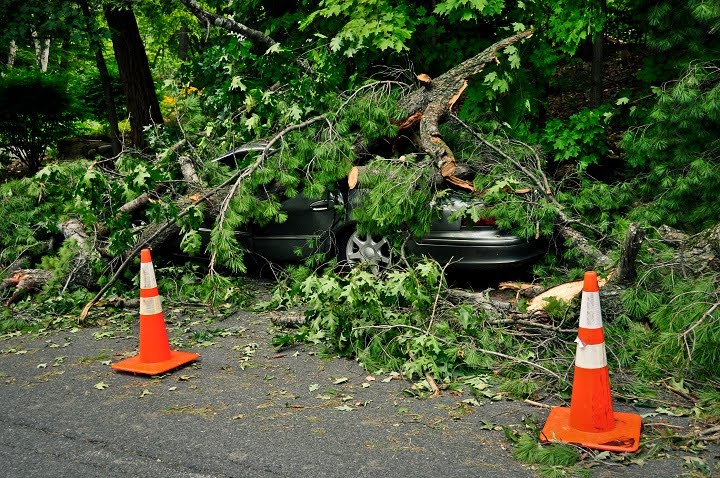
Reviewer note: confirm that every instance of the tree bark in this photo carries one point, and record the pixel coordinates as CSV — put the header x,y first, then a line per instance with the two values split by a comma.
x,y
23,281
626,271
132,60
105,82
81,272
695,255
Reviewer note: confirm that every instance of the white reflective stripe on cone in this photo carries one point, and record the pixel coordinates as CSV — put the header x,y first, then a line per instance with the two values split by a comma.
x,y
147,276
590,313
590,356
150,305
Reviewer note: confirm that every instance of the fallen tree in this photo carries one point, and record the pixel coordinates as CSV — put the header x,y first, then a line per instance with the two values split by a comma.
x,y
427,106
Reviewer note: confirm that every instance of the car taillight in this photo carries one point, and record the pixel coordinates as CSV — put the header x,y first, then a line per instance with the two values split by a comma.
x,y
490,221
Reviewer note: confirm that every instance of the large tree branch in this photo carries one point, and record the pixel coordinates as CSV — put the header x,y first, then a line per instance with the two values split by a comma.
x,y
435,98
228,24
540,181
234,26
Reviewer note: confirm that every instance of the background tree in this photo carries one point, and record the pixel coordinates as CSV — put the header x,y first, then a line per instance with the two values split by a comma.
x,y
35,110
142,102
105,80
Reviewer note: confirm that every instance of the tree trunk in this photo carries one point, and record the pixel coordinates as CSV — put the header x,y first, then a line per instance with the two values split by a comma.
x,y
132,60
63,53
42,51
626,271
105,82
596,94
12,53
183,42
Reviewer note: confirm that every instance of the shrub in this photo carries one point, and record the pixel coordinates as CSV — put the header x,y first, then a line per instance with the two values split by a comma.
x,y
35,110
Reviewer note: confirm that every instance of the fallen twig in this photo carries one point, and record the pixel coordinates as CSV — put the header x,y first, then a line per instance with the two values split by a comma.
x,y
433,385
685,395
663,424
537,404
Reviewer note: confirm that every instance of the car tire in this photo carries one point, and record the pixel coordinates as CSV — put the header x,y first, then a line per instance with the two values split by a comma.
x,y
355,248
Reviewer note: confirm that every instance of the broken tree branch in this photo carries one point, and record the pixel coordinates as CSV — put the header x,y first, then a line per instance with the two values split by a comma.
x,y
435,99
234,26
250,169
144,243
24,280
574,237
228,24
626,271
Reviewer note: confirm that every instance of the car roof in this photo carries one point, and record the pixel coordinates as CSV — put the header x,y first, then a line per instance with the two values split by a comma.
x,y
258,145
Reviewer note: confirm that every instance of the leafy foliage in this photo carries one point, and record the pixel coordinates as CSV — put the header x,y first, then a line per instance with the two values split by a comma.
x,y
675,151
580,140
27,222
35,111
375,22
231,91
393,322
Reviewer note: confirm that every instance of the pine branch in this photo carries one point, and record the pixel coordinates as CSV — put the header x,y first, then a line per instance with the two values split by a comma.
x,y
577,239
133,253
245,173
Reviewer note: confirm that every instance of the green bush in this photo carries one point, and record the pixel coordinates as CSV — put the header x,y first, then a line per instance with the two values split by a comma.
x,y
35,111
581,139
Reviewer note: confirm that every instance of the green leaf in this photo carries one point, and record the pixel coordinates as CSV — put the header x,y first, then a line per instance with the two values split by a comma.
x,y
274,48
236,83
335,43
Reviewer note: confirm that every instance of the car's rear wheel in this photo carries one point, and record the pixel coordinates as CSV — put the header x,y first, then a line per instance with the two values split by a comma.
x,y
365,248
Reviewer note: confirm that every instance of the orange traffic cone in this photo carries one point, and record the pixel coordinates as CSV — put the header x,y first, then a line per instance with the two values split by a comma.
x,y
155,356
590,420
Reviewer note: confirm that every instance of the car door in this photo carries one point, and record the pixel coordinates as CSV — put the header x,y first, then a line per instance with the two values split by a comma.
x,y
306,229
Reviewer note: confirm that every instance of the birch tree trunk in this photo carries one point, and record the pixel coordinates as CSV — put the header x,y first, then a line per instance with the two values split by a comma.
x,y
12,53
42,51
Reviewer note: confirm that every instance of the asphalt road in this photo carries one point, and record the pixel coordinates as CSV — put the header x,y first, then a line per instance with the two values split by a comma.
x,y
242,410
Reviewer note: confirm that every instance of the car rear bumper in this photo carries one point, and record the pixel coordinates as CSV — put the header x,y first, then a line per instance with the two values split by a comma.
x,y
477,248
